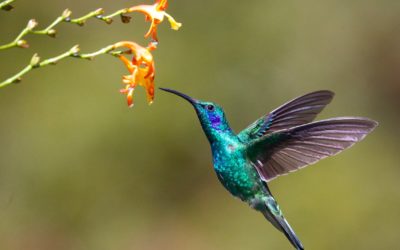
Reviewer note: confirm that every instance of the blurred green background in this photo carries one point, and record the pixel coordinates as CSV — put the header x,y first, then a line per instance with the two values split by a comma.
x,y
80,170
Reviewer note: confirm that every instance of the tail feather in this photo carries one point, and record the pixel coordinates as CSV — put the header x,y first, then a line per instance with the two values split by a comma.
x,y
274,215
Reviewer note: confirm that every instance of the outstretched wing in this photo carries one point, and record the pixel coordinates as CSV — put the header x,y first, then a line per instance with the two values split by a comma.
x,y
299,111
287,150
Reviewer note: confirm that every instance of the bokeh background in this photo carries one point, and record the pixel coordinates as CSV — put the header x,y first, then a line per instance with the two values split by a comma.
x,y
79,170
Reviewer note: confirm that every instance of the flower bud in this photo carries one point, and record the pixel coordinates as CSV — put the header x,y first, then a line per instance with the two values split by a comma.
x,y
32,24
75,49
52,33
99,11
22,44
35,60
66,13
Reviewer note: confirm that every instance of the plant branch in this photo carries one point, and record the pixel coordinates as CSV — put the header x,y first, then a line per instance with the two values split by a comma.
x,y
18,42
81,20
108,18
73,52
106,50
64,17
49,29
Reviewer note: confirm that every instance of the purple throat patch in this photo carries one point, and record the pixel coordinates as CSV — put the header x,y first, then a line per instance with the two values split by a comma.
x,y
215,120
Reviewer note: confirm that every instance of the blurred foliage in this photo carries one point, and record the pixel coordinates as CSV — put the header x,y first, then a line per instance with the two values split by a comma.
x,y
79,170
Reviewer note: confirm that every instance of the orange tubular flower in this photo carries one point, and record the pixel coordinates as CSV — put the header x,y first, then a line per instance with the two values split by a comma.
x,y
155,14
141,69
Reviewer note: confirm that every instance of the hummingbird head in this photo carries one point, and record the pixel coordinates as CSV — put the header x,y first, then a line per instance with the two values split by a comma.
x,y
211,116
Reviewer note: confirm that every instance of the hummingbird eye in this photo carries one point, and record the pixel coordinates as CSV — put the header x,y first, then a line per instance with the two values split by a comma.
x,y
210,107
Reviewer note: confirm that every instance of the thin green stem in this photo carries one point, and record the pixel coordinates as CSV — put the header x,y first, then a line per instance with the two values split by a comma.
x,y
18,42
64,17
7,46
16,78
58,58
106,50
73,52
81,20
48,29
29,27
108,18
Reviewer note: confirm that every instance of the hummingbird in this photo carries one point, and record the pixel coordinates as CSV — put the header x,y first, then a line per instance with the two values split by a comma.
x,y
278,143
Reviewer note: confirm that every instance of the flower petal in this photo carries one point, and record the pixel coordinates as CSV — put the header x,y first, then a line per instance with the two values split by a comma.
x,y
141,69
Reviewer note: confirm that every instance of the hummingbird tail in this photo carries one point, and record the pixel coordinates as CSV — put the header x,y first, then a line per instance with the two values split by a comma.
x,y
274,215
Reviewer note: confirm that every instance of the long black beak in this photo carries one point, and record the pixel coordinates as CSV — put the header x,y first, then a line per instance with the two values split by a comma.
x,y
186,97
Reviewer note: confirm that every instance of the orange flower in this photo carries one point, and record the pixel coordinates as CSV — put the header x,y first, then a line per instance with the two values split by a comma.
x,y
155,14
141,69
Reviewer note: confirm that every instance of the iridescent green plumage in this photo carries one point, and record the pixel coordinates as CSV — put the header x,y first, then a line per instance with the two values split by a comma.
x,y
278,143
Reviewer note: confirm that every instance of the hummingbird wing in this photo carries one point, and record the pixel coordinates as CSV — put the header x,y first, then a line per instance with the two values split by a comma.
x,y
287,150
298,111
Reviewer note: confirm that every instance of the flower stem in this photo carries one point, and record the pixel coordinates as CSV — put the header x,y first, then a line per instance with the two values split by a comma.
x,y
50,27
108,18
106,50
81,20
18,42
50,31
73,52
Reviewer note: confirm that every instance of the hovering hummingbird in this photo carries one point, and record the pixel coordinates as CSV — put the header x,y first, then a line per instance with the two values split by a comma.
x,y
278,143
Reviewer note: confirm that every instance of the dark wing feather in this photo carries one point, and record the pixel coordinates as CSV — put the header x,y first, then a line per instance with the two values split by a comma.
x,y
288,150
299,111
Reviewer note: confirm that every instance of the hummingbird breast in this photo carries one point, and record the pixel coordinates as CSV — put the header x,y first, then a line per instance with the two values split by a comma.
x,y
234,171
